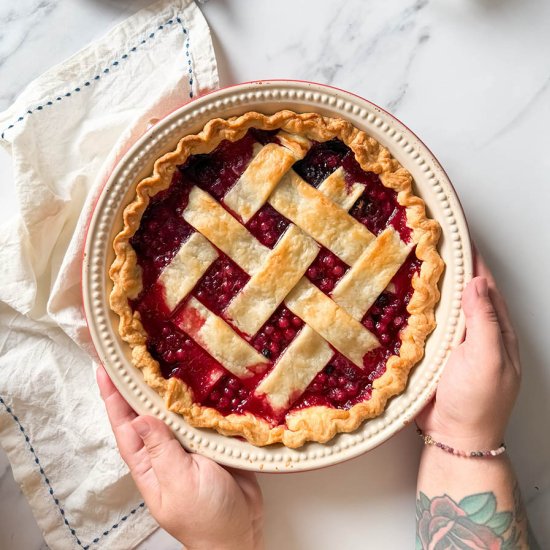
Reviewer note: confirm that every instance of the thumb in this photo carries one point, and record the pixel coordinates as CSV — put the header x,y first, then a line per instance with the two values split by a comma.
x,y
483,335
165,452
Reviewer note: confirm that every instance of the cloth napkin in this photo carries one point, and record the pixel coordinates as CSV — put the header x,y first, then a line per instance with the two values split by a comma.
x,y
65,133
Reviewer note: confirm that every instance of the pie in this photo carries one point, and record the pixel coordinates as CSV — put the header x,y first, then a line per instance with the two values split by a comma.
x,y
276,277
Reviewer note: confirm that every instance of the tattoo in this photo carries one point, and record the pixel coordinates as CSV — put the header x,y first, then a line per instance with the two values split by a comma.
x,y
472,523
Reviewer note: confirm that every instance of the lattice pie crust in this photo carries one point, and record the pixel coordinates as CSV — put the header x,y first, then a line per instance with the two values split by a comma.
x,y
319,217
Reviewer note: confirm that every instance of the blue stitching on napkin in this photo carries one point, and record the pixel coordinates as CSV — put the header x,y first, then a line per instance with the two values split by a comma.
x,y
103,73
188,56
52,492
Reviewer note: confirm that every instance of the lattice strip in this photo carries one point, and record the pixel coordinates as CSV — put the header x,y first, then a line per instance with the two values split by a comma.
x,y
262,175
339,191
370,275
211,219
267,288
295,369
190,263
215,336
299,145
310,210
331,321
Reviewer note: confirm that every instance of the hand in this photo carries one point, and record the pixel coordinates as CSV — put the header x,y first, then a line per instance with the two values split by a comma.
x,y
480,382
197,501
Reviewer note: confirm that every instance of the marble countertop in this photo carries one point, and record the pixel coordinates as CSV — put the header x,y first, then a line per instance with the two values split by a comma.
x,y
472,79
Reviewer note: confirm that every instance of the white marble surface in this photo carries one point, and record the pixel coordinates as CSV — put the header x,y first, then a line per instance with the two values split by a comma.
x,y
472,78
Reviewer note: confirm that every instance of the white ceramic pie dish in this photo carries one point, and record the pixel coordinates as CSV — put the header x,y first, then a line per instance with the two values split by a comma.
x,y
431,183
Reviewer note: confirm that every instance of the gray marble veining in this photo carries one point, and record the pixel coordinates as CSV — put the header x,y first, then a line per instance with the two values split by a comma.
x,y
354,43
19,21
540,94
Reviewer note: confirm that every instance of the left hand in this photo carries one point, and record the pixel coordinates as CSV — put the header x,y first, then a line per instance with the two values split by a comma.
x,y
197,501
480,382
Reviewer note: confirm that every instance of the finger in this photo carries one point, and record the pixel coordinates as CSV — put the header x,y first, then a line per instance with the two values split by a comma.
x,y
168,458
131,447
507,329
118,410
496,297
120,416
483,335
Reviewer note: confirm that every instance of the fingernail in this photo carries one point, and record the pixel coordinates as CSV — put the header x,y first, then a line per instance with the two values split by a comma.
x,y
482,288
141,426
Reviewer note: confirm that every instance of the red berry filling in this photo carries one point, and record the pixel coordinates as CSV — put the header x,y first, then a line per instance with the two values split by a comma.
x,y
219,170
339,385
388,315
264,136
321,160
267,225
377,203
223,280
280,329
326,270
178,355
162,231
228,395
231,395
398,221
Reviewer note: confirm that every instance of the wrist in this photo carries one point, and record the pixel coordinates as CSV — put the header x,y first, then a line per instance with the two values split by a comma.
x,y
465,443
440,472
464,436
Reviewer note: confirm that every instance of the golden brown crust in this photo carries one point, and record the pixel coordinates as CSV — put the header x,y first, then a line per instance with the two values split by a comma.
x,y
315,423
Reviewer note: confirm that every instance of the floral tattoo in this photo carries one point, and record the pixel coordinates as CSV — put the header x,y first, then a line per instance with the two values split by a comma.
x,y
471,524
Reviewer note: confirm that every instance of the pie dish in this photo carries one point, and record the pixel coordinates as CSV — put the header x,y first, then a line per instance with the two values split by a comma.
x,y
276,277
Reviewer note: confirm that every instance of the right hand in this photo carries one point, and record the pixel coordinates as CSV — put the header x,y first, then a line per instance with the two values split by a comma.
x,y
480,382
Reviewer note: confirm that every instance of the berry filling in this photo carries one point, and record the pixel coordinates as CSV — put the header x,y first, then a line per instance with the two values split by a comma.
x,y
326,270
388,316
229,395
223,280
162,229
340,384
218,171
178,355
280,329
264,136
233,396
267,225
377,203
321,160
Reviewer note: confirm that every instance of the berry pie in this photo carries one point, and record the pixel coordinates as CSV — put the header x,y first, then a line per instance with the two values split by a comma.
x,y
276,277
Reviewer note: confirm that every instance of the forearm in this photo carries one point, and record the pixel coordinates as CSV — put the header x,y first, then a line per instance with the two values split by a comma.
x,y
468,503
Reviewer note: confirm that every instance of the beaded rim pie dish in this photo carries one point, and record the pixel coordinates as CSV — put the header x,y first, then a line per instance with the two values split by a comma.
x,y
276,277
267,97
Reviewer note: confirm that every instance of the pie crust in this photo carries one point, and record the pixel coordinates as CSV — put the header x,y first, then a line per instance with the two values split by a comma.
x,y
318,216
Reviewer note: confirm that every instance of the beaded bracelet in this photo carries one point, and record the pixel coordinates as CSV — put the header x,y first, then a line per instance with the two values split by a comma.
x,y
429,440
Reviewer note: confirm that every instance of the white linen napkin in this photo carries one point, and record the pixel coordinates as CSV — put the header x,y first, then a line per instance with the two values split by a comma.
x,y
65,133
